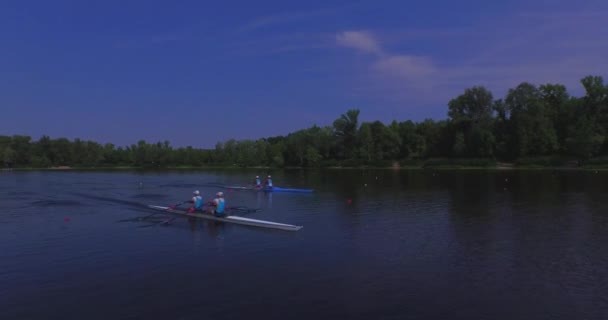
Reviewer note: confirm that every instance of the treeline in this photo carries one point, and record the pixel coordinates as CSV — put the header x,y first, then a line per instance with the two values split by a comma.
x,y
21,151
529,122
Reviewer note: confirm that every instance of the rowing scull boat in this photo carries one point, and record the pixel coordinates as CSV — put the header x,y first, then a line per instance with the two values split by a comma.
x,y
231,219
271,189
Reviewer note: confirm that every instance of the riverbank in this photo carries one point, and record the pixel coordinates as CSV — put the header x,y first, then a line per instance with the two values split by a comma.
x,y
497,167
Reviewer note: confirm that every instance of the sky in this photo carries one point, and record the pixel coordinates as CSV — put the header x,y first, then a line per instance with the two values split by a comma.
x,y
199,72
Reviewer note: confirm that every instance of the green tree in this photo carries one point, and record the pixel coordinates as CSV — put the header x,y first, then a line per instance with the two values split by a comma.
x,y
471,114
262,151
79,152
42,149
230,152
438,141
596,92
22,147
596,107
533,131
391,142
41,161
412,143
345,129
296,148
313,158
502,131
459,145
559,109
277,151
367,142
93,156
326,142
110,156
246,153
583,141
10,156
61,152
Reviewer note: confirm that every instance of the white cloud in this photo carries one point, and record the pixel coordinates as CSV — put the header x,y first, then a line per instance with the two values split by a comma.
x,y
405,66
499,54
359,40
282,18
400,73
293,17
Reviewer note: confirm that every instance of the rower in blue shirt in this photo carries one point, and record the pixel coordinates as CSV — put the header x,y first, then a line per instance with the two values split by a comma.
x,y
257,182
268,182
197,202
218,205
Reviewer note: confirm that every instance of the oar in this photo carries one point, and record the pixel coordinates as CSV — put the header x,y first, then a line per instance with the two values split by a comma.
x,y
139,218
150,215
170,207
166,222
176,205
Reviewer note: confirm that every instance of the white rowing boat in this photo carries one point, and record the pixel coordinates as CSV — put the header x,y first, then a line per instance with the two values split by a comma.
x,y
231,219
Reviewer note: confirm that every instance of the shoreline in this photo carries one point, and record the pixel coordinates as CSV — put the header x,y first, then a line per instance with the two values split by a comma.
x,y
395,168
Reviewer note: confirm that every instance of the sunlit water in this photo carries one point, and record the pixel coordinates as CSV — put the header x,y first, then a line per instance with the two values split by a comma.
x,y
376,244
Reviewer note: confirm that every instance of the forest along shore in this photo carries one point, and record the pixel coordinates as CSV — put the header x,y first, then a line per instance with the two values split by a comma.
x,y
532,126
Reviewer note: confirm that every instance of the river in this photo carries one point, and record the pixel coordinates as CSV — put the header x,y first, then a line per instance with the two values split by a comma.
x,y
376,244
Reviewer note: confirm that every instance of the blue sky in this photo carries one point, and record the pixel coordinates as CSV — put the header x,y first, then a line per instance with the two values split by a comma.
x,y
198,72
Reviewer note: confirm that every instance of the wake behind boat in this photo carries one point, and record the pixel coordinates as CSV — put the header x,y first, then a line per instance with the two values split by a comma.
x,y
231,219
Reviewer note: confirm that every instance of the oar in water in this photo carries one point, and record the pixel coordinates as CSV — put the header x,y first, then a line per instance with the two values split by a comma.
x,y
155,213
166,222
177,205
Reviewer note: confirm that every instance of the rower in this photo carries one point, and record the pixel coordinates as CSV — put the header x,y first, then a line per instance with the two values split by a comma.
x,y
257,182
218,205
268,182
197,202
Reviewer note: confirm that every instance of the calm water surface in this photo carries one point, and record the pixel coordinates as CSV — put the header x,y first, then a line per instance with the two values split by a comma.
x,y
376,244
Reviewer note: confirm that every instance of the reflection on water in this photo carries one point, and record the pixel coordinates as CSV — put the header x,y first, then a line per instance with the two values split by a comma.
x,y
379,244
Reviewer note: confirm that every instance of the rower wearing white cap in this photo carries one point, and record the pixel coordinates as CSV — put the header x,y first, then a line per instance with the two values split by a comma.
x,y
218,205
268,182
257,182
197,202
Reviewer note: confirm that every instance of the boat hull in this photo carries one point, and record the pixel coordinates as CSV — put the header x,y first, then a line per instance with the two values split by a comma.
x,y
278,189
231,219
271,189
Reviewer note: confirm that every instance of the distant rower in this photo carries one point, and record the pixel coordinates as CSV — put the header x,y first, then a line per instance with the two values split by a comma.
x,y
257,182
268,182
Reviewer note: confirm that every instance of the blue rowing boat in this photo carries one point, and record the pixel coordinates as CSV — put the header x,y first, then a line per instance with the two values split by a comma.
x,y
271,189
279,189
